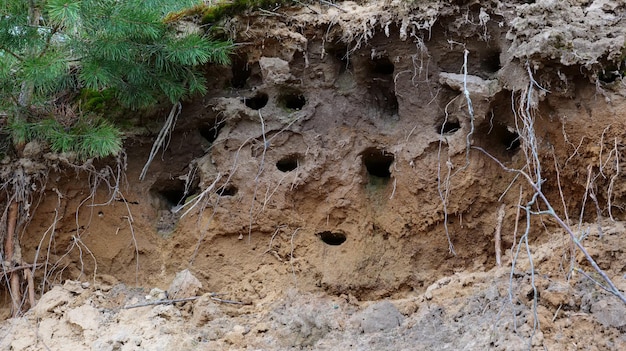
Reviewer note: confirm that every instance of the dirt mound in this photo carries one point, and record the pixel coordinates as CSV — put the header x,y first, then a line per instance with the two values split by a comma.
x,y
490,309
341,161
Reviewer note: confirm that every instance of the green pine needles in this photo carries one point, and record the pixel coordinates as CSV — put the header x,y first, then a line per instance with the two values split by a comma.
x,y
89,137
52,50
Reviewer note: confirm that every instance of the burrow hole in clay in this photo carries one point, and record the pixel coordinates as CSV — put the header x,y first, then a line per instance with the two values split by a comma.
x,y
332,238
490,61
171,192
510,140
292,100
382,66
240,71
257,102
210,131
289,163
227,190
448,127
377,162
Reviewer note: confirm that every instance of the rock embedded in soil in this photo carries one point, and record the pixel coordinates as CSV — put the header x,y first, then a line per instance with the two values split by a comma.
x,y
185,284
54,298
85,316
610,312
381,316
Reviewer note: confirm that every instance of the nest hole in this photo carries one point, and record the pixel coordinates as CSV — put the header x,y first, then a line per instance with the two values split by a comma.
x,y
170,191
490,62
210,132
448,127
382,66
292,101
227,190
257,102
612,73
288,163
332,238
511,140
377,162
342,55
240,71
499,139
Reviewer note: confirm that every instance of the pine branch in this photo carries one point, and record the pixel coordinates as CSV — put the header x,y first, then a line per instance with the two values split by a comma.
x,y
48,40
5,49
128,48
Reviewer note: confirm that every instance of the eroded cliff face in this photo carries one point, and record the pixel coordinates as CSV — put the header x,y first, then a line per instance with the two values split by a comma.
x,y
345,150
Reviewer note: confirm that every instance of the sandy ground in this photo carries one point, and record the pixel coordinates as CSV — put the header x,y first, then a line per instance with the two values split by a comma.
x,y
484,309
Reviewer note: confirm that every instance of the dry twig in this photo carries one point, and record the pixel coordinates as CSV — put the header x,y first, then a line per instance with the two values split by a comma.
x,y
160,141
186,299
498,234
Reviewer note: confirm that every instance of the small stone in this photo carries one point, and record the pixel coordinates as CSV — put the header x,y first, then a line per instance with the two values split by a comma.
x,y
235,336
274,70
239,329
261,328
73,286
51,300
428,295
157,294
205,310
85,316
184,285
474,84
121,337
556,294
609,312
380,316
352,300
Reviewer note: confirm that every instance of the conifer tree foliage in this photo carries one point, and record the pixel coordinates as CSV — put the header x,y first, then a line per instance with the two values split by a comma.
x,y
50,50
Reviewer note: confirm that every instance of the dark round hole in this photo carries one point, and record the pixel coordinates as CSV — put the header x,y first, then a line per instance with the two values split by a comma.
x,y
240,70
383,66
257,102
498,139
210,132
342,55
449,127
511,140
377,162
611,74
292,101
288,163
491,61
332,238
172,191
228,190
